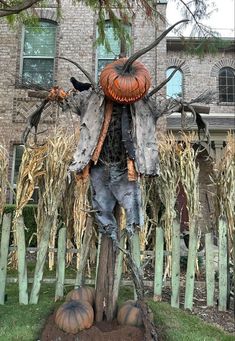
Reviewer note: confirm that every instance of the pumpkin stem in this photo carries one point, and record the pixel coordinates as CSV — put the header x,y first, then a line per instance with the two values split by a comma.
x,y
138,54
86,73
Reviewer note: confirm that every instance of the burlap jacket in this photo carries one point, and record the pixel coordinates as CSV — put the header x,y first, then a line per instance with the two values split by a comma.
x,y
92,108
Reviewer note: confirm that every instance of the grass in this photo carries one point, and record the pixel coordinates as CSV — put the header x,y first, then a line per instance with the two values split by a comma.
x,y
18,322
178,325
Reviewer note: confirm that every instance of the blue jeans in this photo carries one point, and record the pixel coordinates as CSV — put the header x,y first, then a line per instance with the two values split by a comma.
x,y
110,185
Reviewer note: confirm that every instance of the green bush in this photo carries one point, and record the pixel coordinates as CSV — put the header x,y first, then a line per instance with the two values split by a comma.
x,y
29,212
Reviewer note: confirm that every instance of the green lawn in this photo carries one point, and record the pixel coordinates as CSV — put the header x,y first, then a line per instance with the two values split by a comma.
x,y
24,323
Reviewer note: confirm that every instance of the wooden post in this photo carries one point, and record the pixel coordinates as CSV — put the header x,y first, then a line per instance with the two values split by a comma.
x,y
158,268
104,284
175,278
98,257
60,266
210,271
135,247
21,256
41,258
190,275
85,247
234,271
223,264
6,229
118,270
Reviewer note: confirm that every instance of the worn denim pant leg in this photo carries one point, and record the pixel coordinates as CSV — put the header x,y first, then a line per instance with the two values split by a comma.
x,y
109,186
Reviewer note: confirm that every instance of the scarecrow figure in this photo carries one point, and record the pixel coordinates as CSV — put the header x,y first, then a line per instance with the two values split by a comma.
x,y
117,143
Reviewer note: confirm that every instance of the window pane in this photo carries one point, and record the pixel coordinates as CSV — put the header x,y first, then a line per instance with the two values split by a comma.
x,y
226,85
38,71
105,57
174,87
40,41
114,44
102,63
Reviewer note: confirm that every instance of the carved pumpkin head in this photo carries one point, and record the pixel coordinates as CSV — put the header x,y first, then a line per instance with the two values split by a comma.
x,y
128,80
125,84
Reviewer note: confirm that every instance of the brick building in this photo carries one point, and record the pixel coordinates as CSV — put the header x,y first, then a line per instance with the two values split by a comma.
x,y
27,55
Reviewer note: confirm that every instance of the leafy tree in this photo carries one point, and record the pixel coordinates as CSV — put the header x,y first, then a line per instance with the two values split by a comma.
x,y
194,10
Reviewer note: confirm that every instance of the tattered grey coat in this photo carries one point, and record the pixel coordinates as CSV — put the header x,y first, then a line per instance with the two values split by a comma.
x,y
90,106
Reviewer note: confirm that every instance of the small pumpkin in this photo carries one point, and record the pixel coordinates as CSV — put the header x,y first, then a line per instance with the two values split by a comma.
x,y
125,85
82,294
74,316
130,314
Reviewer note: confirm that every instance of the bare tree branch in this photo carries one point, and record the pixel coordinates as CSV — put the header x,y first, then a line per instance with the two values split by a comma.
x,y
18,8
161,85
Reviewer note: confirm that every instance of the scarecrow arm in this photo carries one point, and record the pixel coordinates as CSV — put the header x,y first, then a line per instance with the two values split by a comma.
x,y
33,120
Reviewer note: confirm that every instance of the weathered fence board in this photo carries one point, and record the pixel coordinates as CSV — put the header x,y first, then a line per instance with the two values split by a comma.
x,y
6,228
210,271
223,264
190,274
41,258
175,276
60,267
21,257
158,267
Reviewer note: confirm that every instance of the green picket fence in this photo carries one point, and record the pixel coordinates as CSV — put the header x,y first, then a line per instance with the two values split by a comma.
x,y
158,256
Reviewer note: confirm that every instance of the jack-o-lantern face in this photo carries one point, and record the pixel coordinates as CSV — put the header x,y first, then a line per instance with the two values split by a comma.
x,y
125,85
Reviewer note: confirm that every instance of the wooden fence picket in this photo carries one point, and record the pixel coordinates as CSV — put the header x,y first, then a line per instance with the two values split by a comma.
x,y
158,267
5,237
210,270
223,264
60,267
41,258
190,274
175,276
21,257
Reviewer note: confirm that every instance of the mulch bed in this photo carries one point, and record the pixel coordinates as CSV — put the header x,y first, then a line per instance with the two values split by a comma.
x,y
102,331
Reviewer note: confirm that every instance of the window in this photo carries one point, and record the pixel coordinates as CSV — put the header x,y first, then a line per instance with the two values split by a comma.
x,y
105,57
174,88
17,157
38,54
227,85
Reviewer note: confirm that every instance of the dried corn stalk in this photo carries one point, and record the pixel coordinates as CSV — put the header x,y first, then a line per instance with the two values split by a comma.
x,y
60,148
66,213
81,206
58,156
224,181
189,173
151,206
189,177
31,169
167,185
3,178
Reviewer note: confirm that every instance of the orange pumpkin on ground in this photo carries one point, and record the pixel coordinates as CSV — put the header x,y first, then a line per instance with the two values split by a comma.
x,y
130,314
82,294
74,316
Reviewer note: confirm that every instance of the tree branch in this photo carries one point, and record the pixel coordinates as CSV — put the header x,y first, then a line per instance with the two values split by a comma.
x,y
18,8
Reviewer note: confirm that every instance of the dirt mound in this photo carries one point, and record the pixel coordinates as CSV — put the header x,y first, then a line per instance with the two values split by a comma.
x,y
103,331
